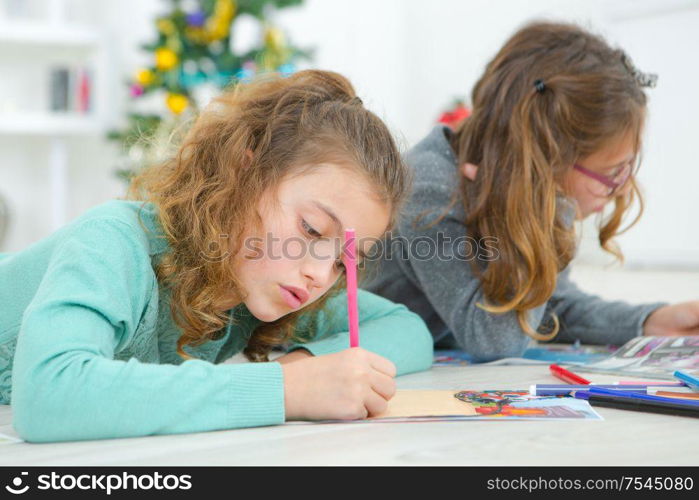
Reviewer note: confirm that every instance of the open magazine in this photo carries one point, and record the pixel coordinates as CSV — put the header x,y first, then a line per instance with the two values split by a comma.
x,y
654,357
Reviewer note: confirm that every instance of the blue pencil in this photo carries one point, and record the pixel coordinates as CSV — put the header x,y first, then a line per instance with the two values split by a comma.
x,y
692,382
563,389
642,397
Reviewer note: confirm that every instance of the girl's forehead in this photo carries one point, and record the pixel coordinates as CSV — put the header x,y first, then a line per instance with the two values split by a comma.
x,y
327,170
617,150
337,194
328,181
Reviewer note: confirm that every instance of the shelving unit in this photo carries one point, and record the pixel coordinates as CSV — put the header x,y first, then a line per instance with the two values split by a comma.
x,y
48,124
24,33
50,41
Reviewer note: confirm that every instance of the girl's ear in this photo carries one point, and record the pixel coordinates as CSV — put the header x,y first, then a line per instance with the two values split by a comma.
x,y
469,170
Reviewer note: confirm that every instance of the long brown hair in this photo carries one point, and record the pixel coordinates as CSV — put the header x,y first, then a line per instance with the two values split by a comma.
x,y
248,140
552,95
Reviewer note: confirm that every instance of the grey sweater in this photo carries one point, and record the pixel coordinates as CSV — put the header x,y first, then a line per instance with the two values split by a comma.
x,y
436,281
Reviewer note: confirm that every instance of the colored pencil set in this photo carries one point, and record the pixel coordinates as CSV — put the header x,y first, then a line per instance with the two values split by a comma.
x,y
649,397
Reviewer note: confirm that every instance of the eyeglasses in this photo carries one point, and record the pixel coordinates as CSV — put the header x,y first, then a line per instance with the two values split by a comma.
x,y
615,181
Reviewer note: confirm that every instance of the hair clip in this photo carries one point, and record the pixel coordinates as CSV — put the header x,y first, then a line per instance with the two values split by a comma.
x,y
357,100
540,86
642,79
646,79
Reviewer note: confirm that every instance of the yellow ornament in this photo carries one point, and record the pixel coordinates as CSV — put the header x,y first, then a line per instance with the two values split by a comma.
x,y
225,9
274,39
275,51
217,26
145,77
165,59
176,103
165,26
218,30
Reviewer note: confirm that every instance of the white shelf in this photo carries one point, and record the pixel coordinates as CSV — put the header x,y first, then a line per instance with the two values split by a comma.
x,y
42,44
45,34
48,124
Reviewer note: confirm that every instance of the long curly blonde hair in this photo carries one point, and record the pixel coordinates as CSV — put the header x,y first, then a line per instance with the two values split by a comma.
x,y
525,140
243,144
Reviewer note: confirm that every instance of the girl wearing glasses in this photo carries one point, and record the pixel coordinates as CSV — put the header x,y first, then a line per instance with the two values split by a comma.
x,y
487,236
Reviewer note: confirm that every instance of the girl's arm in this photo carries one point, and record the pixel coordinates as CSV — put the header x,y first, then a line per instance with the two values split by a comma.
x,y
593,320
385,328
66,384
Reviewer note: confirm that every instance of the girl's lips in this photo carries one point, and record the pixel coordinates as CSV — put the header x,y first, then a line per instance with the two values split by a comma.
x,y
294,297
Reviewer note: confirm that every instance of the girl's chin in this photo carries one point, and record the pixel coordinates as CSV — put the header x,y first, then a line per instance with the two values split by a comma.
x,y
595,210
590,211
265,313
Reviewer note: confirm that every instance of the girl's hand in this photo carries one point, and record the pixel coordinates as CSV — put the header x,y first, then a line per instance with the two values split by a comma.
x,y
293,356
677,319
346,385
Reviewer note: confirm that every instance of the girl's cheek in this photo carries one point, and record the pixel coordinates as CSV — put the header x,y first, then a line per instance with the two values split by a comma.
x,y
583,192
322,291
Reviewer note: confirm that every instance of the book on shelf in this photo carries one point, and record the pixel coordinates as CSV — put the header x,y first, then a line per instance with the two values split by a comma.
x,y
70,89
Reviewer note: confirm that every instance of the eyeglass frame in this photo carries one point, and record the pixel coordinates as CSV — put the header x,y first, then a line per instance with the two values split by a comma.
x,y
609,180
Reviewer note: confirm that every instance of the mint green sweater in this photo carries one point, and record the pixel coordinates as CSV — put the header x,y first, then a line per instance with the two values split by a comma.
x,y
88,347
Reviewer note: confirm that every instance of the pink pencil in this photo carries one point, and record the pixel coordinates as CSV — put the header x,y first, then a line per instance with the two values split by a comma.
x,y
349,258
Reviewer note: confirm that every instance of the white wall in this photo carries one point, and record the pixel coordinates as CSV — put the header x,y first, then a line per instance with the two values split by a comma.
x,y
667,43
364,40
408,59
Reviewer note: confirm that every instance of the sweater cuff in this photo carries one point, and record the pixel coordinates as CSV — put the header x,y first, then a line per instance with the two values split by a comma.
x,y
257,395
647,310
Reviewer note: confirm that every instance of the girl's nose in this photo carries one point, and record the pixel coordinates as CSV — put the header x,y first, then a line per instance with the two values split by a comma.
x,y
319,271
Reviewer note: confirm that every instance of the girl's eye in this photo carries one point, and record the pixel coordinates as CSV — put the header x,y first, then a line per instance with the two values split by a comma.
x,y
617,170
309,229
610,171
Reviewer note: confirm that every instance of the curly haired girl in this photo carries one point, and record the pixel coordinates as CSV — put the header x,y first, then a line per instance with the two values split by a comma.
x,y
122,319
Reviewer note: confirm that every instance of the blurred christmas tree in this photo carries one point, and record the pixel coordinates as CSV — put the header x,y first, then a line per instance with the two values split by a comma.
x,y
196,54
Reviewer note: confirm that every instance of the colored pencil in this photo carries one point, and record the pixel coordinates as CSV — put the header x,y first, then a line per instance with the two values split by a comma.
x,y
649,382
641,405
678,395
567,376
641,397
562,390
350,260
691,381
